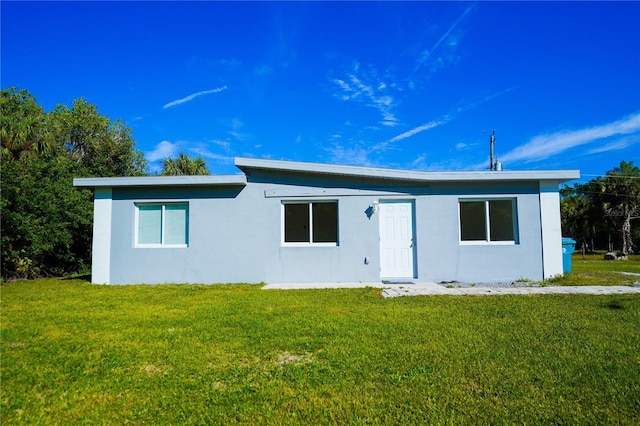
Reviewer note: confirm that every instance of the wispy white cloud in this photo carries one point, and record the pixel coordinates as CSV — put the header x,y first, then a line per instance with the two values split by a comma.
x,y
482,100
352,155
138,118
360,151
545,146
234,123
447,117
234,126
162,150
225,145
374,94
238,135
452,42
623,143
220,158
419,163
193,96
419,129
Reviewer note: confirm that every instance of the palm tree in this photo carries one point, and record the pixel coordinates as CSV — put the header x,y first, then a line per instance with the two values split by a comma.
x,y
184,166
621,195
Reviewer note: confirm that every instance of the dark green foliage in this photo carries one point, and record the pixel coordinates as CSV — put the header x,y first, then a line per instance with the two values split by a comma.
x,y
583,217
98,146
23,129
599,213
46,222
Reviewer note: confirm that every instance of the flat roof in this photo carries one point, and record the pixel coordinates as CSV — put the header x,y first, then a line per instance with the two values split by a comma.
x,y
136,181
405,175
248,164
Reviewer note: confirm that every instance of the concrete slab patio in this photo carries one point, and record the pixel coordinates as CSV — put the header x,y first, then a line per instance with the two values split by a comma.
x,y
432,289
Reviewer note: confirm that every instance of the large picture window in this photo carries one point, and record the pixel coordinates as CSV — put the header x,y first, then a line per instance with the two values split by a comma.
x,y
162,224
314,223
490,221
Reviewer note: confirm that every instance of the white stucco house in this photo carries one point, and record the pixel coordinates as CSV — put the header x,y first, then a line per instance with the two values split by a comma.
x,y
293,222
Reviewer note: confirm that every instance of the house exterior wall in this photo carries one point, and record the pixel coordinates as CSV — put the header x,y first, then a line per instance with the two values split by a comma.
x,y
443,258
235,233
101,248
551,230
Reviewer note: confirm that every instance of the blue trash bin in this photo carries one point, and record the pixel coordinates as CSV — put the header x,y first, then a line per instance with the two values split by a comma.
x,y
568,247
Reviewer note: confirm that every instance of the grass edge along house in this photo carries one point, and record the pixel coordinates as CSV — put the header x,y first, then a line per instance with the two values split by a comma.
x,y
294,222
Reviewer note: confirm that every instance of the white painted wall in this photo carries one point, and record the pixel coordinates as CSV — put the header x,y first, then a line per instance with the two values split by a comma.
x,y
551,229
235,234
101,250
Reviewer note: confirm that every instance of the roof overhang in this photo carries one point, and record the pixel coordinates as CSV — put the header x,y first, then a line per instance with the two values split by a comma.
x,y
141,181
247,164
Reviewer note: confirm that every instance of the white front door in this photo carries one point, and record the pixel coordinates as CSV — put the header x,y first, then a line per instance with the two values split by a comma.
x,y
396,239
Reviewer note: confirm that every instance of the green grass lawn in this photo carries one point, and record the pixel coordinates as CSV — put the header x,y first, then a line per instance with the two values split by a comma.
x,y
593,270
72,352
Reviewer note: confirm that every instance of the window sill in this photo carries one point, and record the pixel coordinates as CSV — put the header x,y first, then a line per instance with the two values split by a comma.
x,y
160,246
488,243
309,245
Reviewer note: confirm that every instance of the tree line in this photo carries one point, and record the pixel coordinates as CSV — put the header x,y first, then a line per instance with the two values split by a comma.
x,y
599,214
46,223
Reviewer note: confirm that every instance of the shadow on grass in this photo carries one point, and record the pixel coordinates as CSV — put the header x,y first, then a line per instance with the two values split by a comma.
x,y
85,277
615,305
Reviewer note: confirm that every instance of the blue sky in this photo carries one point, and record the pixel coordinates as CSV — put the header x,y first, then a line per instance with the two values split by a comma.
x,y
412,85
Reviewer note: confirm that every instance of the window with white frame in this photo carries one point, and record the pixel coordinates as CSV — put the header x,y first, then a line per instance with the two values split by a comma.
x,y
162,225
310,223
488,221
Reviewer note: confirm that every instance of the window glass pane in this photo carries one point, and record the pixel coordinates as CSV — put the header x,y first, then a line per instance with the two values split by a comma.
x,y
501,220
325,222
296,223
149,224
175,227
472,221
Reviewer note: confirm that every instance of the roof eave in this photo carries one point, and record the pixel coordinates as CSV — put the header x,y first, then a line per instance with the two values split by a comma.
x,y
406,175
146,181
